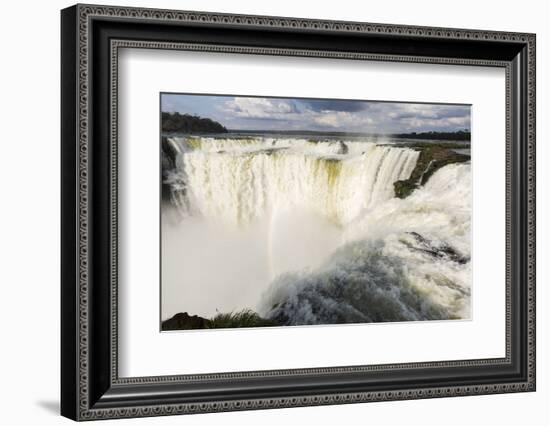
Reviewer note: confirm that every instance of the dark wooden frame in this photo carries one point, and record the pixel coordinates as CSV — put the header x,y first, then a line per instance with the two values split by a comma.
x,y
90,386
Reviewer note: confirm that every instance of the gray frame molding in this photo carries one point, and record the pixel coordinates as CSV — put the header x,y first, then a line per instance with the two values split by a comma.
x,y
86,407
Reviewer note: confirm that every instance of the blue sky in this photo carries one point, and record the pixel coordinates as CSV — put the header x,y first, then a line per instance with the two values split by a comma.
x,y
257,113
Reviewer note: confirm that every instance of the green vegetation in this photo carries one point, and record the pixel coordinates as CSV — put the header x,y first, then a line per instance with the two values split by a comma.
x,y
421,145
186,123
461,135
244,318
432,158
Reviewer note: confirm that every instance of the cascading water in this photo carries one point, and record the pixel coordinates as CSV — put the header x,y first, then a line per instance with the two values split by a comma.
x,y
309,232
403,260
241,180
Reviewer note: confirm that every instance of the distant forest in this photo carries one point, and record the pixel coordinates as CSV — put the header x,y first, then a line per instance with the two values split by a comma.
x,y
461,135
174,122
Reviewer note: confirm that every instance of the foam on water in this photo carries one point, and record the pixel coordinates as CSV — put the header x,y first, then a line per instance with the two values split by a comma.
x,y
402,260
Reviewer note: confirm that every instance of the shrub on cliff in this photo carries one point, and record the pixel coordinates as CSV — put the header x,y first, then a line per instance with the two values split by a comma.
x,y
244,318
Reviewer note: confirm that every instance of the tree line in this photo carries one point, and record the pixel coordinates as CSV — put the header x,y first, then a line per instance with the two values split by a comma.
x,y
461,135
174,122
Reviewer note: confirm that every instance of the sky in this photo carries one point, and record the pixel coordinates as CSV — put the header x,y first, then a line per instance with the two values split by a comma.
x,y
280,114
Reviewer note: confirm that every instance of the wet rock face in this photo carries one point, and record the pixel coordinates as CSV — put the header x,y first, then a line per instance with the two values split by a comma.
x,y
343,149
436,250
183,321
431,159
245,318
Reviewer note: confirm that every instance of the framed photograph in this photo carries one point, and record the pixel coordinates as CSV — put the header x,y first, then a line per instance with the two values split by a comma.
x,y
263,212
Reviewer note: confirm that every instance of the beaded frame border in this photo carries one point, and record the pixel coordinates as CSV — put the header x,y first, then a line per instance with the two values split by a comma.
x,y
88,12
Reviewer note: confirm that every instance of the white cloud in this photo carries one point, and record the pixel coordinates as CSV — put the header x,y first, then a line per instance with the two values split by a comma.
x,y
375,117
332,118
260,107
341,119
438,123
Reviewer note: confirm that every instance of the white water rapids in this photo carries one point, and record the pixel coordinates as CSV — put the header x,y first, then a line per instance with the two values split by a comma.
x,y
309,232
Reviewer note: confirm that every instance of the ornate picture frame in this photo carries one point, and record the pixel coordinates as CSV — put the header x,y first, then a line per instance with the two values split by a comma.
x,y
91,37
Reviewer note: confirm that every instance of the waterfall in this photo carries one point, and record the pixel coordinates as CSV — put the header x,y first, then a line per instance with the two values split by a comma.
x,y
240,180
406,260
309,231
